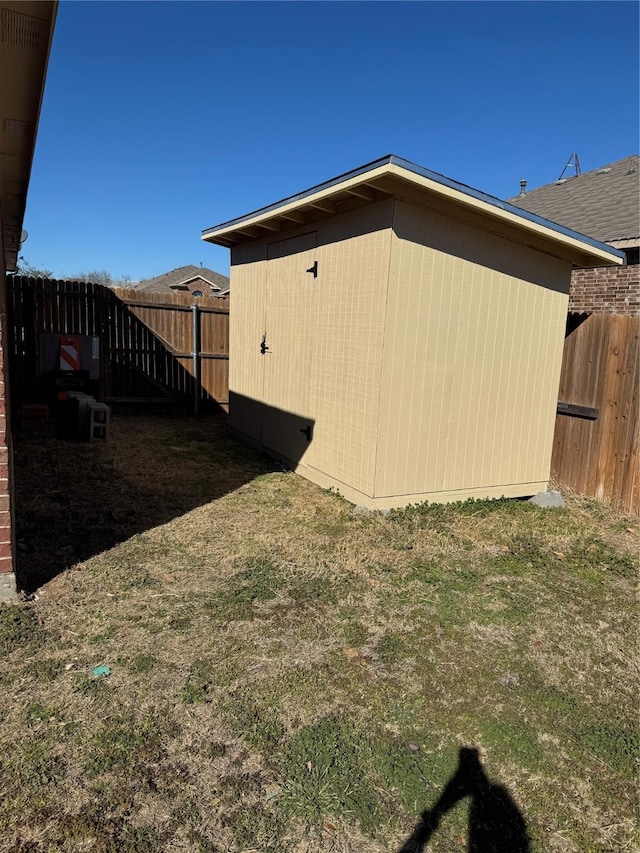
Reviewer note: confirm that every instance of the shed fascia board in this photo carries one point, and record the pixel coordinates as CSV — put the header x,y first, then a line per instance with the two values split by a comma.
x,y
586,250
590,251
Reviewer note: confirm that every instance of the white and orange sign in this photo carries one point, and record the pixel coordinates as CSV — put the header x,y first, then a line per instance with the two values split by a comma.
x,y
69,352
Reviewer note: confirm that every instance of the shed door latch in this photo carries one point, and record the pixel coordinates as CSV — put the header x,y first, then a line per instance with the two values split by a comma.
x,y
308,431
314,269
263,344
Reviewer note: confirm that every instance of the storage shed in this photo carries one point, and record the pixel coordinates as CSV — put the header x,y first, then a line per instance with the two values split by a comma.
x,y
397,336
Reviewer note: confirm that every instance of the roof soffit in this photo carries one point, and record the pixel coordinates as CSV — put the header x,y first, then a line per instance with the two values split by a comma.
x,y
26,28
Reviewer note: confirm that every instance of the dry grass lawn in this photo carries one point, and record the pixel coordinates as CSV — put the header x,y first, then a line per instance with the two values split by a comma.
x,y
287,675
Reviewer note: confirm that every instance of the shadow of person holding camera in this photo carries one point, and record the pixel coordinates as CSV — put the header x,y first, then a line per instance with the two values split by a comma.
x,y
496,824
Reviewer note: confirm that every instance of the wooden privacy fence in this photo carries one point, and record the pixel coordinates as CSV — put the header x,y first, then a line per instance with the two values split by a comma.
x,y
596,452
153,347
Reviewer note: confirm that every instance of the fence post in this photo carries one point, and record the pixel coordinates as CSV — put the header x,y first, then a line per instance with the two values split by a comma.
x,y
97,292
28,292
195,314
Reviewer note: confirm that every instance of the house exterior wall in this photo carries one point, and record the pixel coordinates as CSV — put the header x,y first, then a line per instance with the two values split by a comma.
x,y
196,284
202,286
473,348
7,573
605,290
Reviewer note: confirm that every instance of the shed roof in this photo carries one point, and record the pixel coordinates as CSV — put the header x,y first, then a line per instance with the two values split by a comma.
x,y
182,276
393,176
603,203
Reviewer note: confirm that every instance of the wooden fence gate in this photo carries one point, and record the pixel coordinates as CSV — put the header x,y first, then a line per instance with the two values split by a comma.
x,y
596,452
153,347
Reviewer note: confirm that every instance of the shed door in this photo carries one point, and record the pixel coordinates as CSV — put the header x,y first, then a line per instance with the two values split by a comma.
x,y
288,425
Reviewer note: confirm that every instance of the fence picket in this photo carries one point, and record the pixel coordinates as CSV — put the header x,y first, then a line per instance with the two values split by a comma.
x,y
600,369
140,336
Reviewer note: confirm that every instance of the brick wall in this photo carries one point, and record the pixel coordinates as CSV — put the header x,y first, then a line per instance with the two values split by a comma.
x,y
606,290
7,576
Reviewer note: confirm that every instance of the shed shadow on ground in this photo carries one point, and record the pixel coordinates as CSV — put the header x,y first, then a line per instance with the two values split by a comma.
x,y
74,500
496,824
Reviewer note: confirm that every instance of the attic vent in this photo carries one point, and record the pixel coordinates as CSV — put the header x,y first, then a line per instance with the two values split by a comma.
x,y
24,30
604,171
16,127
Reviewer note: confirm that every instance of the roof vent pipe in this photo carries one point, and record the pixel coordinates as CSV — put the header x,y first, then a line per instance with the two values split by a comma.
x,y
523,188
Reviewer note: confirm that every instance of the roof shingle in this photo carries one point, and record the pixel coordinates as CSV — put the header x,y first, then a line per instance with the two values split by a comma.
x,y
603,204
164,282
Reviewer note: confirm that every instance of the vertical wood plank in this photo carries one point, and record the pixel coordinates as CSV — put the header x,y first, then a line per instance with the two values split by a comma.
x,y
601,368
138,345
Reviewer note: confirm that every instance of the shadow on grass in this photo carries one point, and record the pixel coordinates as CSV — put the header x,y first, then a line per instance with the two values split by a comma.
x,y
74,500
496,824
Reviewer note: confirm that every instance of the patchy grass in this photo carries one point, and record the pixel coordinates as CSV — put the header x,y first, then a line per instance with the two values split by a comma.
x,y
287,675
19,629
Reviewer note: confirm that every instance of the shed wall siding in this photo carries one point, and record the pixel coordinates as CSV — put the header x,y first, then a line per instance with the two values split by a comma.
x,y
246,327
325,343
472,356
348,336
289,362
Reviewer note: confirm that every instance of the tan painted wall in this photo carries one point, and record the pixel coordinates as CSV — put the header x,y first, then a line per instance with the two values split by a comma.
x,y
349,314
291,293
473,349
246,326
425,357
325,338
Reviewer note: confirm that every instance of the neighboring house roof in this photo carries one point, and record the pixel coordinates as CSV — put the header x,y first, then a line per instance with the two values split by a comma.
x,y
181,277
603,203
393,176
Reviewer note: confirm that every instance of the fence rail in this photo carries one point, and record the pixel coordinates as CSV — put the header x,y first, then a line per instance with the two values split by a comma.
x,y
598,456
154,347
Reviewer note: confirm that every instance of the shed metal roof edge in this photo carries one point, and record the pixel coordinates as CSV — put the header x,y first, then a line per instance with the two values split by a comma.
x,y
325,185
393,160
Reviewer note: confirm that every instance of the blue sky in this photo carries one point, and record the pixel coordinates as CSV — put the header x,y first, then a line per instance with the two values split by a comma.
x,y
162,119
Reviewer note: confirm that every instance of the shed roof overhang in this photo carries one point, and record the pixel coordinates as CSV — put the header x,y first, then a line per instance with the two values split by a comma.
x,y
392,176
26,31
